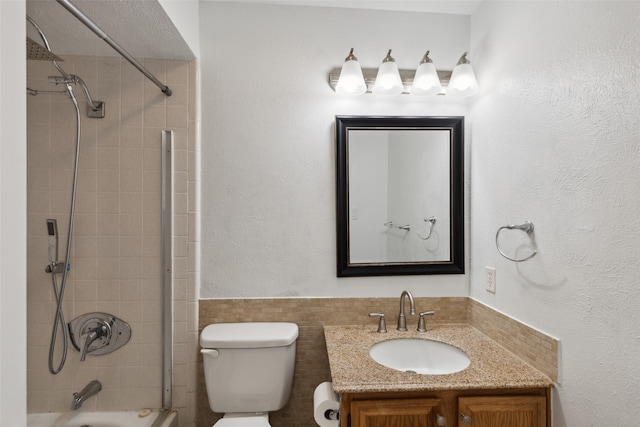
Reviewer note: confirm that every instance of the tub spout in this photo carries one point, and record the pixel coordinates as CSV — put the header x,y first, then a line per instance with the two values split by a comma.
x,y
78,398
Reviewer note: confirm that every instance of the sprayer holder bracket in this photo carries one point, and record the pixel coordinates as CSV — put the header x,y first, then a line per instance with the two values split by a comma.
x,y
57,268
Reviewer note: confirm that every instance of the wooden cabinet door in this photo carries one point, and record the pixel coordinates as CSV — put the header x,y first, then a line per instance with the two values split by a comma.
x,y
419,412
502,411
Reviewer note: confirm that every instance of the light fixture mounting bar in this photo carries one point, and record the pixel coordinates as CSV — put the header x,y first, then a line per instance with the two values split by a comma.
x,y
406,76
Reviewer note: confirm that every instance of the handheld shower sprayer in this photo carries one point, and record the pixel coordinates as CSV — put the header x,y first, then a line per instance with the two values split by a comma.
x,y
52,229
54,265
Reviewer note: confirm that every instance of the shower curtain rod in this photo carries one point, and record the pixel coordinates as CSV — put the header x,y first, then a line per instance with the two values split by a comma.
x,y
98,31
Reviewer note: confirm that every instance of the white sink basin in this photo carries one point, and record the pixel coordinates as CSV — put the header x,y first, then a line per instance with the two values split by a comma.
x,y
419,356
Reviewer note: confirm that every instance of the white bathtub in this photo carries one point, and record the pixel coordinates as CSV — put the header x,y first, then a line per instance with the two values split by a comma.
x,y
101,419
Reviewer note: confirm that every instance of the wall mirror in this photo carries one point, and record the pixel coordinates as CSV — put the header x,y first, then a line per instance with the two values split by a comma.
x,y
400,195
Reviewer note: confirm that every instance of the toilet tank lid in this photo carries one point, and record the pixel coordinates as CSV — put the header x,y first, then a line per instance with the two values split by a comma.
x,y
248,335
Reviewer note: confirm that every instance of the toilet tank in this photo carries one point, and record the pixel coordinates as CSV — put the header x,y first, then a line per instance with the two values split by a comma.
x,y
248,367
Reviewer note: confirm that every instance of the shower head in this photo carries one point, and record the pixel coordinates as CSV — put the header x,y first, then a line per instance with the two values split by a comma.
x,y
40,53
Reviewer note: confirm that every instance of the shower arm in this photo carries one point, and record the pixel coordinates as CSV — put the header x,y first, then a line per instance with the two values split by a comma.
x,y
95,106
98,31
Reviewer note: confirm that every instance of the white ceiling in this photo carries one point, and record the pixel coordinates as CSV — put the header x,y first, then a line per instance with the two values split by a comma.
x,y
144,30
458,7
141,27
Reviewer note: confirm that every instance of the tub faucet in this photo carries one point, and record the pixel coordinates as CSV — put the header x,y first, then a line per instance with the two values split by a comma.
x,y
402,320
78,398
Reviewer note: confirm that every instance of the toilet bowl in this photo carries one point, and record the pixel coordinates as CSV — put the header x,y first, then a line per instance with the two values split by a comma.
x,y
248,369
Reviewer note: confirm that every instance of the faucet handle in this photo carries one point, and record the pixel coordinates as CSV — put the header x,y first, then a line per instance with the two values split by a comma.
x,y
421,323
382,324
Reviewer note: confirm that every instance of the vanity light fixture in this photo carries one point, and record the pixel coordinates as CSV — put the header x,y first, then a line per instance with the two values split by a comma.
x,y
426,80
351,79
463,80
388,81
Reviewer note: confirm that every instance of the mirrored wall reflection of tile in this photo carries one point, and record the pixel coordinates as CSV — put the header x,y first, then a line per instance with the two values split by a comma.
x,y
116,243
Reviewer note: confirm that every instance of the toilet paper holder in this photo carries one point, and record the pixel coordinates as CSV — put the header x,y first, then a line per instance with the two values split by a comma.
x,y
332,414
326,405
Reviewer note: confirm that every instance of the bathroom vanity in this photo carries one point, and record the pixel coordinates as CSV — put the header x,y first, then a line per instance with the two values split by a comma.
x,y
496,389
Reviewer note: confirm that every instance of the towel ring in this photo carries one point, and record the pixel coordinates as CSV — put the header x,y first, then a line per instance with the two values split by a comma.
x,y
432,222
527,227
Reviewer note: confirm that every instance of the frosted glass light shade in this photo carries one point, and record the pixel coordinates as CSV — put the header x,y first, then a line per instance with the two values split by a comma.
x,y
463,82
388,80
351,80
426,80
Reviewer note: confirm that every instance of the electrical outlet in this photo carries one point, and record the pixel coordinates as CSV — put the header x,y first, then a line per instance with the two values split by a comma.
x,y
490,279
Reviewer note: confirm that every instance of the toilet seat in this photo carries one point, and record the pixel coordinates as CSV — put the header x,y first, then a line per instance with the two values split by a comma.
x,y
248,421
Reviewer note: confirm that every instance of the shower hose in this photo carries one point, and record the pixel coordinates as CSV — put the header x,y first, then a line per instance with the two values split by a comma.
x,y
59,292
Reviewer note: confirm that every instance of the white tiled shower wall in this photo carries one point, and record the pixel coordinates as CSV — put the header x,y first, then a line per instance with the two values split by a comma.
x,y
115,264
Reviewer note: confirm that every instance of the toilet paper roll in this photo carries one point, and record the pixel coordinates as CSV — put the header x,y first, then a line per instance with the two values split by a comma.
x,y
324,400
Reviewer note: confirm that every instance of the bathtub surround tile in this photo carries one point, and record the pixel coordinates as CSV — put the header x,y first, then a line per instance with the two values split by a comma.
x,y
86,290
155,116
131,179
131,115
111,307
60,204
131,310
109,157
116,264
311,314
177,74
108,131
87,202
130,203
176,117
131,355
38,201
131,137
40,180
180,98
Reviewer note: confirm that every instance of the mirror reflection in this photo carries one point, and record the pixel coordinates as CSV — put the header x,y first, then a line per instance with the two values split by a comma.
x,y
398,189
400,195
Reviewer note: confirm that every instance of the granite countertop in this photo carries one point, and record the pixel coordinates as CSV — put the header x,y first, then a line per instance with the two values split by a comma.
x,y
492,366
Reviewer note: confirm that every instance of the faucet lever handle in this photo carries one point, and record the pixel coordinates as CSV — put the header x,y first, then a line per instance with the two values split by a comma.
x,y
422,327
382,324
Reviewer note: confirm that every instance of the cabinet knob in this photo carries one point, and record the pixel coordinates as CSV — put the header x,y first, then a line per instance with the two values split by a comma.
x,y
466,419
440,420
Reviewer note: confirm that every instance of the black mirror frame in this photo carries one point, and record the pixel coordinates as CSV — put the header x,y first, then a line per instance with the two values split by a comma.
x,y
457,263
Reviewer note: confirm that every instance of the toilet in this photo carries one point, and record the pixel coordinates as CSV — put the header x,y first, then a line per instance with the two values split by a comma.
x,y
248,370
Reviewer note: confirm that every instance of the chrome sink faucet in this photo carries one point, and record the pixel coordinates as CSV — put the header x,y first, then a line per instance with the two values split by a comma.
x,y
402,320
78,398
